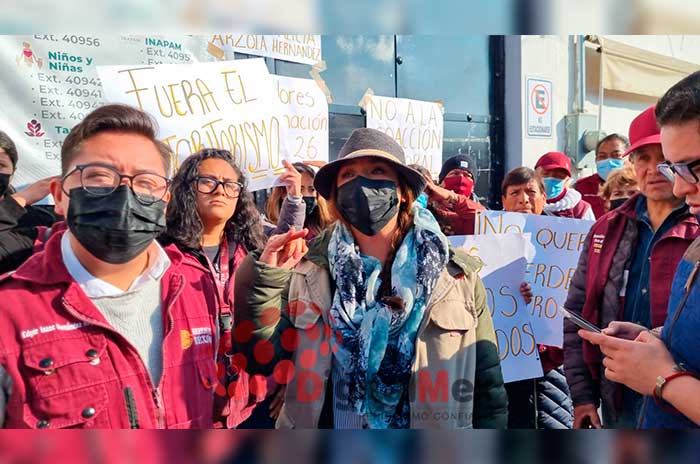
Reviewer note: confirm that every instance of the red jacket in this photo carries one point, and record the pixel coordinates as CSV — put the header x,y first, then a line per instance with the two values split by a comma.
x,y
605,236
69,368
238,393
589,188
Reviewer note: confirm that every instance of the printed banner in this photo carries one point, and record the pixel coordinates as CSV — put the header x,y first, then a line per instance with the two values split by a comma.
x,y
51,83
416,125
303,48
230,105
505,258
305,114
558,243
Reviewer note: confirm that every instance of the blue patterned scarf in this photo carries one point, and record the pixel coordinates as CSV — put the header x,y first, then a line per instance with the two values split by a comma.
x,y
376,344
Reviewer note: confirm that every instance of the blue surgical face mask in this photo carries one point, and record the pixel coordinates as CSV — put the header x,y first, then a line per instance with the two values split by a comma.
x,y
422,200
605,167
553,187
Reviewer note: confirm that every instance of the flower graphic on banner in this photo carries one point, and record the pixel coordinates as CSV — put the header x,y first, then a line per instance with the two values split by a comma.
x,y
34,127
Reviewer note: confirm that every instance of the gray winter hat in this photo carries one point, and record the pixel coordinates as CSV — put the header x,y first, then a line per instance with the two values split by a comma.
x,y
365,142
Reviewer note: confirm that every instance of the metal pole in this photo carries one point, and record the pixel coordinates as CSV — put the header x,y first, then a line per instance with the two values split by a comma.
x,y
600,93
582,73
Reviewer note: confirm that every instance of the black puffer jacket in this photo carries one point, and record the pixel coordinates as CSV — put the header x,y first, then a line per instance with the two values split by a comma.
x,y
18,231
542,403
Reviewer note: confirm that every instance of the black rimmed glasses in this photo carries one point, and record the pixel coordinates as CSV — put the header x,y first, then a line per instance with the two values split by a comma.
x,y
210,184
685,171
102,180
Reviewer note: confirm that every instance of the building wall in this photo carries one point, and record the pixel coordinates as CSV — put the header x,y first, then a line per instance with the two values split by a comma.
x,y
554,57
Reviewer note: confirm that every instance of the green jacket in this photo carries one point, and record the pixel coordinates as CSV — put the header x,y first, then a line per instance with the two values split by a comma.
x,y
456,377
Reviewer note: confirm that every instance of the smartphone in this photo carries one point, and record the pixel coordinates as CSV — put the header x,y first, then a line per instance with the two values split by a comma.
x,y
579,321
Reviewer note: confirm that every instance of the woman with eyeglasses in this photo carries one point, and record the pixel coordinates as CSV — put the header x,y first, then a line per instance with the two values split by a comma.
x,y
212,218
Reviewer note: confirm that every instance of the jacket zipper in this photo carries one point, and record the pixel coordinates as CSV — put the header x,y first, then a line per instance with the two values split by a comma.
x,y
688,285
155,390
131,408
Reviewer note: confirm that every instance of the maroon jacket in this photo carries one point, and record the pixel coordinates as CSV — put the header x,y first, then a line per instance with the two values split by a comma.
x,y
596,285
69,368
237,393
589,188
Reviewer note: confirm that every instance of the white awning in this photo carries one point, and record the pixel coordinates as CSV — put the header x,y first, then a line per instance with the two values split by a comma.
x,y
630,69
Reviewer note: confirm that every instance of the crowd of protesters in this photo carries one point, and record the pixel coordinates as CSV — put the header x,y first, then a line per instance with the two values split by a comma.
x,y
145,300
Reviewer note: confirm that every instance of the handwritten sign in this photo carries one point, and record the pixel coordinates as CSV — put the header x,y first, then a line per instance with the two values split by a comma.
x,y
505,258
558,243
302,48
305,114
416,125
229,105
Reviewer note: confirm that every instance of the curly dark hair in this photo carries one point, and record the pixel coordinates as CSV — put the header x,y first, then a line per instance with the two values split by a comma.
x,y
184,226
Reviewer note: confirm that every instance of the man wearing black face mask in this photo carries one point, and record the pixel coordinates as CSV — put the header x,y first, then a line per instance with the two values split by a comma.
x,y
20,222
120,331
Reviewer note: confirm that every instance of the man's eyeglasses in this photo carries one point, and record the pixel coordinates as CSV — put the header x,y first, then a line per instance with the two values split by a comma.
x,y
210,184
102,180
685,171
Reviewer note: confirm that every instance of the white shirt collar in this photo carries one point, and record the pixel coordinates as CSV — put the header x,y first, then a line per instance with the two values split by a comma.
x,y
96,288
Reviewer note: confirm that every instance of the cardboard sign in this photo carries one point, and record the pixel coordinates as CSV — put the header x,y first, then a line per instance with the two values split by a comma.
x,y
505,258
415,125
305,114
301,48
558,243
230,105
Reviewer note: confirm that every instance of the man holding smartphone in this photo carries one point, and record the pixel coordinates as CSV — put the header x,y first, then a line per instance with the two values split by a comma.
x,y
632,253
664,366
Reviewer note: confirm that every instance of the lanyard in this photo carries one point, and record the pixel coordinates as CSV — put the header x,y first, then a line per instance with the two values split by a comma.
x,y
221,278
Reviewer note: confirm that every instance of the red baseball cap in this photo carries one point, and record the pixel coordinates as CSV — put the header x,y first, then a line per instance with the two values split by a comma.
x,y
554,160
644,130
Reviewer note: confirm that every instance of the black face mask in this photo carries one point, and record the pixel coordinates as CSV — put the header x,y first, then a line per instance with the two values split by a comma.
x,y
368,205
310,205
4,184
614,204
114,228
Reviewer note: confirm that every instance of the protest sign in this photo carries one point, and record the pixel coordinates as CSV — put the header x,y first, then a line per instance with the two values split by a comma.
x,y
305,114
301,48
229,105
415,125
558,243
50,83
505,258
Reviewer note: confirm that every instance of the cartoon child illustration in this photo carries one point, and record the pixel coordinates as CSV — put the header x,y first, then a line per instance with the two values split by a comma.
x,y
28,56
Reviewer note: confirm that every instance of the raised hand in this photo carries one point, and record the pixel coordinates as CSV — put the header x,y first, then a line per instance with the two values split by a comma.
x,y
291,178
286,250
34,192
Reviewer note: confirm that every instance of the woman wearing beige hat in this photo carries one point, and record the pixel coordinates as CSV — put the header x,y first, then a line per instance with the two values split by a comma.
x,y
377,323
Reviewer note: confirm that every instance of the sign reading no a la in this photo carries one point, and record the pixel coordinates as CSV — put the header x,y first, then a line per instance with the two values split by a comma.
x,y
539,107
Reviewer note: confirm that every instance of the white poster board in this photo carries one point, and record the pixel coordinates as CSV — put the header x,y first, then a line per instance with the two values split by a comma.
x,y
299,48
230,105
415,125
558,243
505,258
305,114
